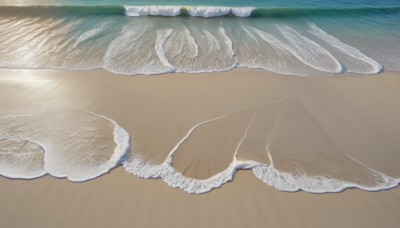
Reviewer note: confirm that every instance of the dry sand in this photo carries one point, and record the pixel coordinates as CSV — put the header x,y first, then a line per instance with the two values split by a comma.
x,y
360,114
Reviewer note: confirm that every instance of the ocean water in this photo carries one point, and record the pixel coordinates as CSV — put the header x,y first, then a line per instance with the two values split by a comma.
x,y
155,37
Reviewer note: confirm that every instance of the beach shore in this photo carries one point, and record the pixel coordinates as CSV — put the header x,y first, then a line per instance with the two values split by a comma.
x,y
359,113
120,199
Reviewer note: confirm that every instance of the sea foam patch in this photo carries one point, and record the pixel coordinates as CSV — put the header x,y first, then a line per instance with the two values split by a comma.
x,y
65,143
21,158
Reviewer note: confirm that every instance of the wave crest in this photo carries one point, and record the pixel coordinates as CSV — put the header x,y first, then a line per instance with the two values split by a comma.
x,y
194,11
135,11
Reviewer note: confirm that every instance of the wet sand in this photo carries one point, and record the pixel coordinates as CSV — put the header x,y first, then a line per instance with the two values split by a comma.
x,y
359,113
120,199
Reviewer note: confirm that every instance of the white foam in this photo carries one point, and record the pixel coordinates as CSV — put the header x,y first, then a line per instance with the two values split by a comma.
x,y
135,11
194,48
208,11
195,11
181,43
279,61
114,60
314,184
248,33
73,144
310,52
212,41
18,131
138,167
269,39
138,50
267,173
175,179
162,36
21,158
122,141
181,50
200,49
346,49
227,41
217,11
90,33
242,11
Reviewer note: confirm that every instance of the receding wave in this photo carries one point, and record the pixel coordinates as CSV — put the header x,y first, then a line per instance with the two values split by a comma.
x,y
80,145
65,143
197,11
267,146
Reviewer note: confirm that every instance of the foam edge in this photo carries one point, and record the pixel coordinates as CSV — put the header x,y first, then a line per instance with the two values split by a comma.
x,y
267,173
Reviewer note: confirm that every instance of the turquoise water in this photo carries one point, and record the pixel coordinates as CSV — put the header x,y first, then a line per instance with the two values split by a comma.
x,y
154,37
255,3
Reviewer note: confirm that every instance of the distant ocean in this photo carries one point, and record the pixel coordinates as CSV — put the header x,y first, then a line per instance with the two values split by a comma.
x,y
159,36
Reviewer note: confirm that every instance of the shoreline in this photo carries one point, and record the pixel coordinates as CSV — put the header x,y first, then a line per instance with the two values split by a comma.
x,y
158,111
235,68
243,202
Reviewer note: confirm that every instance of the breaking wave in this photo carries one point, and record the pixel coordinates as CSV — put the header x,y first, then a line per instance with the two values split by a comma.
x,y
194,11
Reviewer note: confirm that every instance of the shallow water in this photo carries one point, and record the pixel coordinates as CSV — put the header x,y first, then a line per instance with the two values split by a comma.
x,y
288,38
65,143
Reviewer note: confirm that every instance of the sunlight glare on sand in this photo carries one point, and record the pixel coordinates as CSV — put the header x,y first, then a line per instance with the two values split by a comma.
x,y
26,78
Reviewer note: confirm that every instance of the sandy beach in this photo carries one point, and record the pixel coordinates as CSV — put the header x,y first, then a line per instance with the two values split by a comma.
x,y
120,199
328,119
